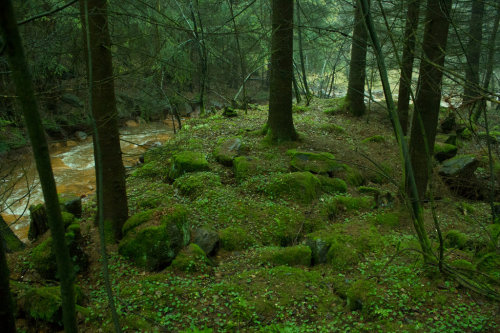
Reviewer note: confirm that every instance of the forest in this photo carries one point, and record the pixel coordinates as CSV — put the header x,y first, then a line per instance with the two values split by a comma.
x,y
268,166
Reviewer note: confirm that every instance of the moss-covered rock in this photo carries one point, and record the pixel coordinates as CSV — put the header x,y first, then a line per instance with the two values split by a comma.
x,y
187,161
338,105
375,139
388,219
193,184
154,244
235,239
490,263
207,239
460,166
361,295
333,206
153,169
245,167
332,128
191,259
341,253
137,219
227,150
299,255
465,134
463,264
353,176
455,239
300,186
369,190
332,185
444,151
319,163
67,218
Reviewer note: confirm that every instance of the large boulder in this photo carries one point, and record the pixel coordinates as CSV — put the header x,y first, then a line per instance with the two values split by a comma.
x,y
154,243
187,161
71,203
299,255
208,240
300,186
191,259
245,167
461,166
318,163
444,151
194,184
227,150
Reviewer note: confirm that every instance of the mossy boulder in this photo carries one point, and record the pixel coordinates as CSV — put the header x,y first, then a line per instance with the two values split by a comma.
x,y
235,239
341,253
137,219
455,239
388,219
152,169
191,259
44,257
228,150
464,133
208,240
193,184
494,136
67,218
444,151
353,176
460,166
332,128
187,161
333,206
299,255
319,163
463,264
375,139
332,185
245,167
71,203
361,295
300,186
369,190
153,244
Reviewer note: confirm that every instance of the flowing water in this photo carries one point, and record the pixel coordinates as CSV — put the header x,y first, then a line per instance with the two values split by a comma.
x,y
73,166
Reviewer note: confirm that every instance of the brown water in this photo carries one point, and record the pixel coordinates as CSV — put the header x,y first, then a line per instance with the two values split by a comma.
x,y
73,166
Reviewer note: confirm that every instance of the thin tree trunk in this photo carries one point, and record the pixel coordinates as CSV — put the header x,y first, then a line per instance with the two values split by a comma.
x,y
6,305
280,120
242,58
202,51
472,90
25,92
296,89
301,56
428,97
357,70
411,27
106,116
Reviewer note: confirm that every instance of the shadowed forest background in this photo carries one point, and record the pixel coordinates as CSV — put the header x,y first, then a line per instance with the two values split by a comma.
x,y
253,166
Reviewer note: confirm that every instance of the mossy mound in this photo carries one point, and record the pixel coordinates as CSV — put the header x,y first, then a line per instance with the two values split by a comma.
x,y
332,128
137,219
490,263
235,239
337,105
353,176
187,161
10,241
299,108
193,184
332,185
71,203
369,190
455,239
153,244
362,295
299,255
245,167
333,206
191,259
153,169
444,151
227,150
44,257
319,163
388,219
300,186
375,139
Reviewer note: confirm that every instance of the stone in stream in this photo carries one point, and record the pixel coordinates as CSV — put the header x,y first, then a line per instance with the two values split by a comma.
x,y
80,135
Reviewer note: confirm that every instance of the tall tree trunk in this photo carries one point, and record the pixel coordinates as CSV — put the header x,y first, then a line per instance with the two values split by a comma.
x,y
412,15
301,56
280,120
357,69
472,91
241,56
428,98
106,117
25,92
202,51
6,305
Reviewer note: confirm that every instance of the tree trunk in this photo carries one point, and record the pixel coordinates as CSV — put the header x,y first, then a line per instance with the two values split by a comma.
x,y
26,97
6,305
301,56
357,70
280,120
428,98
407,62
105,114
472,91
241,56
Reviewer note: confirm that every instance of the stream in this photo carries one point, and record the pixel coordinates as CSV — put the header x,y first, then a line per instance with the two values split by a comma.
x,y
73,166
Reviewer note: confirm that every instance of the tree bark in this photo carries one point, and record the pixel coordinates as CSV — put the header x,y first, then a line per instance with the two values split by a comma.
x,y
6,305
301,56
106,117
428,98
411,27
472,91
357,70
25,92
280,120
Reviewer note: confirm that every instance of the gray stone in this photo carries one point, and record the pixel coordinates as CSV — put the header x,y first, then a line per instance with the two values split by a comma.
x,y
319,250
462,166
81,136
208,240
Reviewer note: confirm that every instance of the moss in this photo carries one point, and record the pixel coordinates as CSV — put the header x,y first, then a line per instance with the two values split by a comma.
x,y
193,184
299,108
337,105
332,128
235,239
44,304
490,263
319,163
389,219
332,185
455,239
153,245
375,138
369,190
361,295
494,236
300,186
353,176
191,259
299,255
245,167
137,219
68,218
366,238
380,175
342,253
153,169
44,259
187,161
463,264
466,134
227,150
444,151
333,206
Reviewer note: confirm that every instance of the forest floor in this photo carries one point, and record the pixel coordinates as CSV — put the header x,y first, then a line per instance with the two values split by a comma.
x,y
261,279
